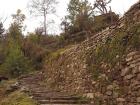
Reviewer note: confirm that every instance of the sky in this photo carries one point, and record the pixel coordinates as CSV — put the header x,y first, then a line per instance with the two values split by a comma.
x,y
9,7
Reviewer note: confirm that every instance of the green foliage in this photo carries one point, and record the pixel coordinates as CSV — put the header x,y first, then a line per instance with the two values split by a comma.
x,y
55,55
35,53
15,63
13,98
15,33
18,19
2,51
79,7
34,38
80,16
15,30
17,98
3,88
35,48
103,21
134,30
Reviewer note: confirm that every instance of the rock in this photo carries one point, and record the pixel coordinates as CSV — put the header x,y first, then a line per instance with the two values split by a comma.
x,y
132,53
115,95
138,99
138,77
120,100
129,59
110,87
136,70
13,87
135,83
85,66
128,77
89,95
98,94
24,89
125,71
109,93
93,82
3,78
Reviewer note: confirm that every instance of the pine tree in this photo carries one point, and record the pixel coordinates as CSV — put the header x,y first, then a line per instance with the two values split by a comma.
x,y
15,63
80,15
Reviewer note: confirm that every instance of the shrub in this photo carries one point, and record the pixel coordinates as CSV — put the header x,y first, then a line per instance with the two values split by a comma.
x,y
17,98
15,63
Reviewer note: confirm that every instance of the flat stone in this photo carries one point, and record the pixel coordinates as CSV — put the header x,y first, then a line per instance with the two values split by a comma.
x,y
138,77
110,87
124,71
120,100
89,95
136,70
128,77
135,83
109,93
132,53
129,59
138,99
130,103
133,65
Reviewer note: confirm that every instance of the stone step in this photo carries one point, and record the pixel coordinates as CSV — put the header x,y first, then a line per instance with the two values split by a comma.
x,y
56,98
31,80
63,102
45,96
66,104
51,95
44,91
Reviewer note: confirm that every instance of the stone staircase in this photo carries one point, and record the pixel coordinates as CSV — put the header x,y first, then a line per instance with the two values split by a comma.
x,y
44,96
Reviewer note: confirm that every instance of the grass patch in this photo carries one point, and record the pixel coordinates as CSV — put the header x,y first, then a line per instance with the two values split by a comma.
x,y
55,55
17,98
3,87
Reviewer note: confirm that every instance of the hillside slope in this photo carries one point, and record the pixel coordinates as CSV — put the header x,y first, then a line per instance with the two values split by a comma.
x,y
106,67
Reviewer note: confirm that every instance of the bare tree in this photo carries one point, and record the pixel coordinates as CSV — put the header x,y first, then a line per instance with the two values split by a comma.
x,y
42,8
3,20
102,5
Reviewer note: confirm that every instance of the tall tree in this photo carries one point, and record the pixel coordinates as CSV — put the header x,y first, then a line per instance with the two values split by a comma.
x,y
80,14
18,18
15,63
42,8
101,5
15,30
2,44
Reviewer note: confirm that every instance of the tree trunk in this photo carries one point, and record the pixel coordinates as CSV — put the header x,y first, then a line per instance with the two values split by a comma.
x,y
45,22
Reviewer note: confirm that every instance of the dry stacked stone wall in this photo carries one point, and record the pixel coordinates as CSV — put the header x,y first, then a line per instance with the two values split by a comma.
x,y
119,86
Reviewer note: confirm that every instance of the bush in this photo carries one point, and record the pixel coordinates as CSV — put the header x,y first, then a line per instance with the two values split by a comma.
x,y
103,21
15,63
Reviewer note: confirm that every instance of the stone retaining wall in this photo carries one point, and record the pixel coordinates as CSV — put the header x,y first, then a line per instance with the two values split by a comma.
x,y
119,86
